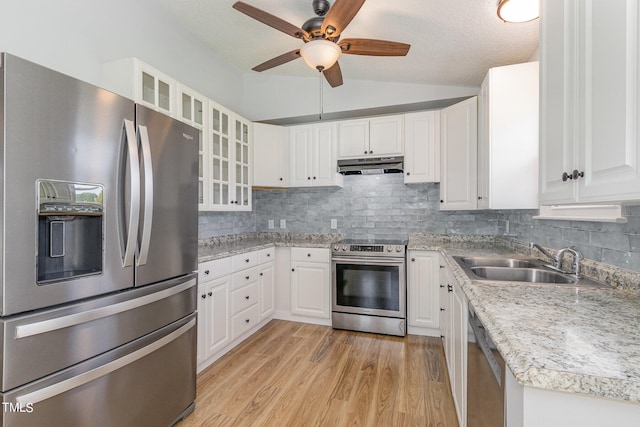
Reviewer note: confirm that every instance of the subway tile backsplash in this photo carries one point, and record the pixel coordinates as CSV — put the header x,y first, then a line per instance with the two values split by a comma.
x,y
383,207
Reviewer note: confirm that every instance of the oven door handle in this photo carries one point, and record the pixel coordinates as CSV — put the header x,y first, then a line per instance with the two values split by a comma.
x,y
368,261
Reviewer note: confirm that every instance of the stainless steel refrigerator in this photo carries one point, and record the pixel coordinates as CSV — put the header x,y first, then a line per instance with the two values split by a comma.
x,y
99,248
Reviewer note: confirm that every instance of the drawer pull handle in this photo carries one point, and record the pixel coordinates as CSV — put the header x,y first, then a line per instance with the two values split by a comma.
x,y
246,260
268,255
247,297
309,255
247,320
210,293
261,274
206,272
203,296
247,277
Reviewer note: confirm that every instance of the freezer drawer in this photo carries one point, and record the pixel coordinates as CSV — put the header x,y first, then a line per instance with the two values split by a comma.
x,y
148,382
40,343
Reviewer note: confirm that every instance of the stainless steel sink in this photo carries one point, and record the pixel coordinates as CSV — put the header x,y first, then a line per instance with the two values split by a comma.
x,y
528,270
530,275
499,262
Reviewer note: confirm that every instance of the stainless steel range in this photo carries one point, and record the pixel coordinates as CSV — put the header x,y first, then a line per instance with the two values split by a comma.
x,y
369,286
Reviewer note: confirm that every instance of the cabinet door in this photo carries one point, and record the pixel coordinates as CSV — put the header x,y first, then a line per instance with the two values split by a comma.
x,y
483,144
557,102
242,161
193,110
459,329
267,290
156,89
609,85
323,159
353,139
385,136
217,327
270,160
300,143
220,146
458,183
422,147
423,297
310,289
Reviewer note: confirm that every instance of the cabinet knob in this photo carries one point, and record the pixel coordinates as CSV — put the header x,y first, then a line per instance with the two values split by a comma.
x,y
246,260
370,151
442,336
206,272
209,293
247,297
261,274
442,266
314,177
281,179
247,277
293,269
365,151
479,197
246,320
441,309
441,201
408,173
449,288
268,255
309,178
442,286
309,255
566,176
577,174
203,296
413,259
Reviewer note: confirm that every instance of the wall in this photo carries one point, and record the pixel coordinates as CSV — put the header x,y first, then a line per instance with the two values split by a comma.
x,y
77,36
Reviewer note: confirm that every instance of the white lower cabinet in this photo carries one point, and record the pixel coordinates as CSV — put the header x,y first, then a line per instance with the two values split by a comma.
x,y
453,328
311,282
423,292
236,297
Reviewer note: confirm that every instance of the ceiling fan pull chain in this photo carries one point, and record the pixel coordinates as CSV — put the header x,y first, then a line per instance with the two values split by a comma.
x,y
321,95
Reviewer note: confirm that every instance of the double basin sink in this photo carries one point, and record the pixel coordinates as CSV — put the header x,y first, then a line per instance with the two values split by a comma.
x,y
519,270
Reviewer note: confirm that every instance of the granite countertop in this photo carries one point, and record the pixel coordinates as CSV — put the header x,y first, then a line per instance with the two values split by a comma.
x,y
584,340
222,247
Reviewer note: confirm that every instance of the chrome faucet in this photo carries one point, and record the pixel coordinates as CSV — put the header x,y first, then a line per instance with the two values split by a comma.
x,y
543,251
577,257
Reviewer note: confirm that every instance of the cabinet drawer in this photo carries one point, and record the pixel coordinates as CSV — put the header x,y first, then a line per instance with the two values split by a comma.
x,y
242,261
244,298
214,269
245,320
244,277
266,255
311,254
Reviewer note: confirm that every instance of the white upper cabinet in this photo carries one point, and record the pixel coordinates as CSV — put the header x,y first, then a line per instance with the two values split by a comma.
x,y
508,138
458,170
422,147
192,109
376,137
312,152
590,83
270,156
136,80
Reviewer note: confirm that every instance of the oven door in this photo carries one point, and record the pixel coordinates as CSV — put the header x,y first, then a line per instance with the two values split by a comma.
x,y
372,286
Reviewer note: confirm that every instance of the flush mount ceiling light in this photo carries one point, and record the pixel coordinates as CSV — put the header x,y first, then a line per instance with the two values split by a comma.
x,y
518,10
320,54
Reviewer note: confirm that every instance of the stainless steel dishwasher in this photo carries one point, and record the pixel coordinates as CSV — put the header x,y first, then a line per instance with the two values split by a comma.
x,y
485,377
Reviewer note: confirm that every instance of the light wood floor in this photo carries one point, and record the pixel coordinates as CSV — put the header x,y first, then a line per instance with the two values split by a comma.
x,y
296,374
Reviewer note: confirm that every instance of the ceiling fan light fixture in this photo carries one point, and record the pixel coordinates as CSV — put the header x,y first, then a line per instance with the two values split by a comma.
x,y
518,11
320,54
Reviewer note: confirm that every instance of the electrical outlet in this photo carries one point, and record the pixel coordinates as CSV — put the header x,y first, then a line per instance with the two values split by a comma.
x,y
271,224
334,224
283,223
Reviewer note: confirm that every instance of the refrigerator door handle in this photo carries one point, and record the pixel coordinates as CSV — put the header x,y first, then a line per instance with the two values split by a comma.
x,y
148,195
134,207
79,380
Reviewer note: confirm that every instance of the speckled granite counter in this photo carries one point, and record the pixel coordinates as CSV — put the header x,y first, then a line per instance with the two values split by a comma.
x,y
222,247
552,337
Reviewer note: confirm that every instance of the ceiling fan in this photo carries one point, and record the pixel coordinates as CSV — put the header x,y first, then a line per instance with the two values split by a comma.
x,y
321,35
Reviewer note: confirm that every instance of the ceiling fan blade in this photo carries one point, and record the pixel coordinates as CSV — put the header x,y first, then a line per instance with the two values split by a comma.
x,y
271,20
333,75
278,60
339,16
373,47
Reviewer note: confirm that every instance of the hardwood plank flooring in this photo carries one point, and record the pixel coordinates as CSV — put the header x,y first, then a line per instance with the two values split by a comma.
x,y
297,374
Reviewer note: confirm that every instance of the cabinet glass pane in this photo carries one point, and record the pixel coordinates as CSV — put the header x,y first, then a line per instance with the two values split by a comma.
x,y
200,169
197,111
238,174
225,171
245,175
238,193
238,131
225,124
216,144
238,152
225,148
245,133
164,95
245,154
186,106
200,192
245,197
216,194
148,88
216,169
225,194
200,141
216,120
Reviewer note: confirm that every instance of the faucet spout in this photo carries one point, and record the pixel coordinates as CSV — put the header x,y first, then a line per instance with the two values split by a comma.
x,y
543,251
577,257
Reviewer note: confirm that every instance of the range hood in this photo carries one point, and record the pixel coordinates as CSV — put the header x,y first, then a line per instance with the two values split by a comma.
x,y
371,166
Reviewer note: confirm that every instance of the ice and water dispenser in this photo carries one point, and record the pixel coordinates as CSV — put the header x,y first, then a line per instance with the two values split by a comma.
x,y
70,230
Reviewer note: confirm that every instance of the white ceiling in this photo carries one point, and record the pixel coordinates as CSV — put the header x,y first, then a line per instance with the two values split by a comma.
x,y
453,42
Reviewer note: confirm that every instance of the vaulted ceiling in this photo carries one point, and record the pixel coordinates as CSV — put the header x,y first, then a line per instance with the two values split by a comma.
x,y
453,42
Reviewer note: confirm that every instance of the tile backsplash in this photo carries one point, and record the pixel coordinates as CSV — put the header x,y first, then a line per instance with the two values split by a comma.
x,y
383,207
